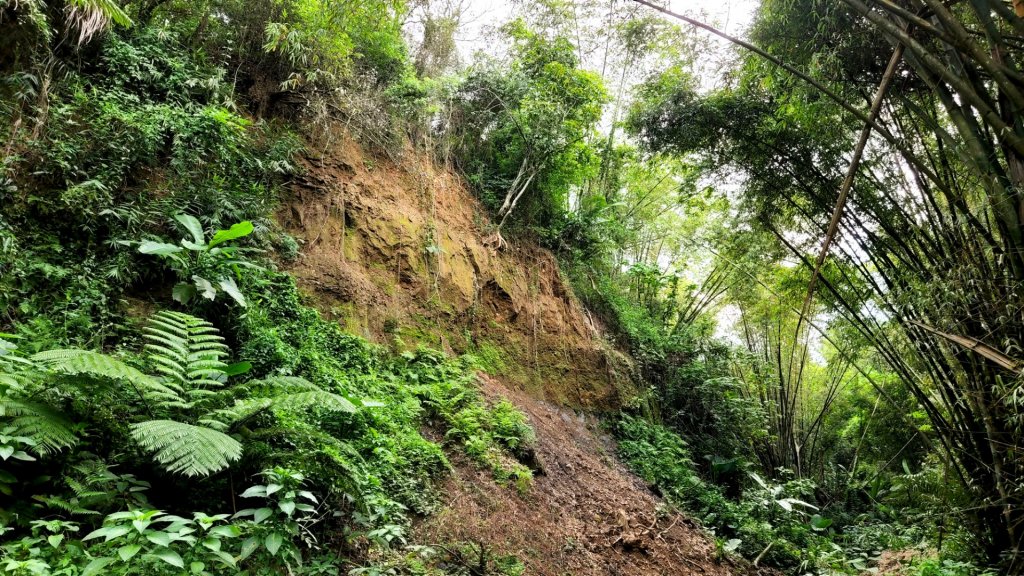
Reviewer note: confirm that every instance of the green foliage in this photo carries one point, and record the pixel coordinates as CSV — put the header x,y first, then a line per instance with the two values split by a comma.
x,y
259,540
186,449
536,114
162,139
384,453
766,514
487,434
321,40
946,567
143,130
114,134
205,267
366,454
188,354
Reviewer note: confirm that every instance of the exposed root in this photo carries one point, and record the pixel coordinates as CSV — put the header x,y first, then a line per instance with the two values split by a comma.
x,y
496,241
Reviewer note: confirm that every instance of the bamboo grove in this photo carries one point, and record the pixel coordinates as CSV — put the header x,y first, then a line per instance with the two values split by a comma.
x,y
928,260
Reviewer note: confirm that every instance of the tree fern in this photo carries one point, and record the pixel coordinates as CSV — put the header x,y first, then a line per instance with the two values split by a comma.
x,y
281,393
102,369
188,353
188,356
186,449
50,430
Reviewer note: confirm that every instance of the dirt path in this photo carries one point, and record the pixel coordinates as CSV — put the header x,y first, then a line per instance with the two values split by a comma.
x,y
585,515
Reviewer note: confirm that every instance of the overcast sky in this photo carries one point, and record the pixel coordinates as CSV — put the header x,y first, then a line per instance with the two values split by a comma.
x,y
481,16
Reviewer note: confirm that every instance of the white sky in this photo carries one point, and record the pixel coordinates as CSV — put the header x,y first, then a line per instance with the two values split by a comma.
x,y
731,16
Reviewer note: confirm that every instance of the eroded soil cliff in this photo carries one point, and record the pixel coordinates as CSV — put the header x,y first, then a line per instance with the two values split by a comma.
x,y
401,254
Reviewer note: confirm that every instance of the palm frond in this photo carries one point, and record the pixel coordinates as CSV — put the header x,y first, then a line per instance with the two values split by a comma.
x,y
186,449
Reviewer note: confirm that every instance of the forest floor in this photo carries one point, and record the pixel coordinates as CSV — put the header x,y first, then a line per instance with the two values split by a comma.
x,y
584,514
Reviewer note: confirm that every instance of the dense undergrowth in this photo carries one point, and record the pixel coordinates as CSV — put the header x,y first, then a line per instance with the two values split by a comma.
x,y
341,471
693,439
241,434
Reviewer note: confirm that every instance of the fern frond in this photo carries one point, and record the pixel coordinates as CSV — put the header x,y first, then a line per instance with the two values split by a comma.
x,y
187,350
68,506
104,368
242,410
203,387
16,375
315,399
287,383
167,322
169,346
75,362
48,428
186,449
165,357
305,395
77,487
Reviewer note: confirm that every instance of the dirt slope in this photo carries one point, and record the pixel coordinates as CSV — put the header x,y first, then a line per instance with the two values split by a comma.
x,y
585,515
398,253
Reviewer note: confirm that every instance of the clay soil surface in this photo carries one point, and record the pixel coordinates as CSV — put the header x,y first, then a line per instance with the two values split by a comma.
x,y
403,252
584,515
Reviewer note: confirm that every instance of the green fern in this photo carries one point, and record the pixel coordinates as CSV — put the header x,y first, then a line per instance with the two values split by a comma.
x,y
189,354
49,430
103,370
286,393
13,368
186,449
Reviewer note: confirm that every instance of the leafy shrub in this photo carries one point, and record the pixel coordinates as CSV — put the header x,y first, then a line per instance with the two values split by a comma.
x,y
204,267
264,540
767,515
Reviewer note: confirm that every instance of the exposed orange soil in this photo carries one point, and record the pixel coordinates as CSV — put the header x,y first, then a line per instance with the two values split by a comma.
x,y
401,251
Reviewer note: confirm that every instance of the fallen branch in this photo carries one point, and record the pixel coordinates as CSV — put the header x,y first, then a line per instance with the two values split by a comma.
x,y
763,552
974,345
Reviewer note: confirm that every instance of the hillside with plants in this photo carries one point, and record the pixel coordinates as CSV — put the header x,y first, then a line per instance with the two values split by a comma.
x,y
445,287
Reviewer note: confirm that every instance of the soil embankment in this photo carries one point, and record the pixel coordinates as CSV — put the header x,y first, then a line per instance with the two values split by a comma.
x,y
400,253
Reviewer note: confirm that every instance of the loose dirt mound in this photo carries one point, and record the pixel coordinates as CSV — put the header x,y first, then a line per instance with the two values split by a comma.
x,y
398,253
585,514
